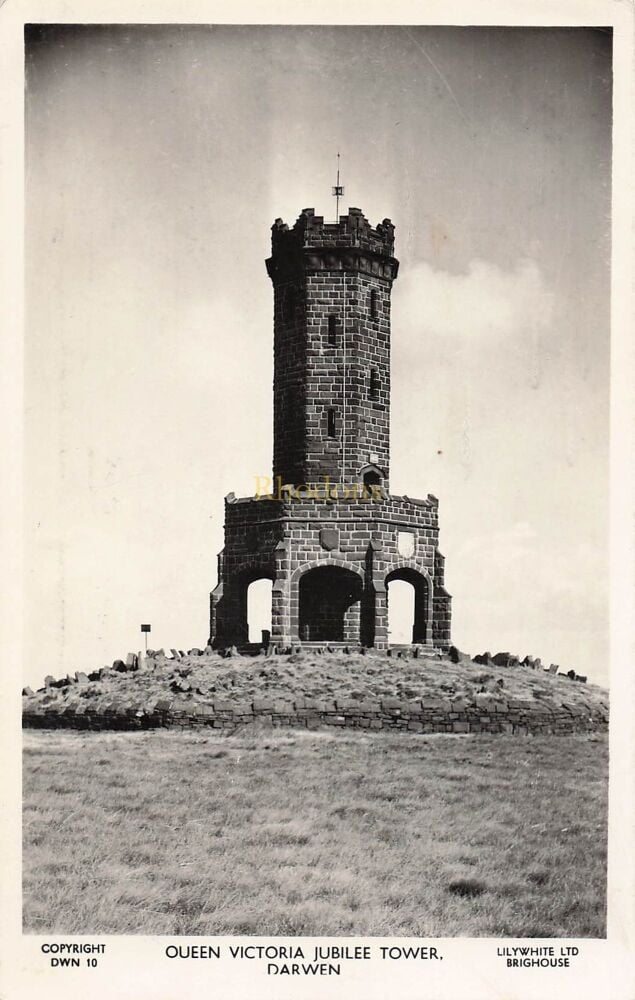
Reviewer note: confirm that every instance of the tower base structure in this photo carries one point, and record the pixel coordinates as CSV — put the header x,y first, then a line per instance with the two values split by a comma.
x,y
330,562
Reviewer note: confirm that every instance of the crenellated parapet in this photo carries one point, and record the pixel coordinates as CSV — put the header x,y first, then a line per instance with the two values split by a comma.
x,y
351,244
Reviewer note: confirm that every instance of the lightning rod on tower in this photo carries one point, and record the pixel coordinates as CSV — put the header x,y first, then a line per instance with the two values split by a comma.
x,y
338,191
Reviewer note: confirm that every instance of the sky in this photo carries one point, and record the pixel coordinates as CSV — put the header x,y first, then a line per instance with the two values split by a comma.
x,y
158,157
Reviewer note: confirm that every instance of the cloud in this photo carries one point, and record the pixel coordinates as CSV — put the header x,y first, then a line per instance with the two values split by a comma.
x,y
484,303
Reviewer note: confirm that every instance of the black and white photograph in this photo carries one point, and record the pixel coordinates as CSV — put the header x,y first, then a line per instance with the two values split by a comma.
x,y
317,403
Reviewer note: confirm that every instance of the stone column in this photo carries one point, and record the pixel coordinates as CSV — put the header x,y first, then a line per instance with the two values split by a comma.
x,y
441,619
352,624
381,615
281,624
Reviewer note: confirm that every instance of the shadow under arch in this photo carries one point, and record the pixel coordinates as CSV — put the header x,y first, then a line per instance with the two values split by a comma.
x,y
329,599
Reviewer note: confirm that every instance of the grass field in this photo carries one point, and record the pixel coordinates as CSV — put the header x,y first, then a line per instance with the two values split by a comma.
x,y
313,833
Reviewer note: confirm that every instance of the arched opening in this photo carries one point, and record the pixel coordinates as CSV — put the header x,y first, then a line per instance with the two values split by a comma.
x,y
401,612
408,598
372,478
329,605
258,609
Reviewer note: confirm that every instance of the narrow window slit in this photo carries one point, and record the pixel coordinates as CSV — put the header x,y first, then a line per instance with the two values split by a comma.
x,y
332,335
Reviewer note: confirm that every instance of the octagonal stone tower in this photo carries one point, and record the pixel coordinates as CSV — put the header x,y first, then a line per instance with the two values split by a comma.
x,y
328,533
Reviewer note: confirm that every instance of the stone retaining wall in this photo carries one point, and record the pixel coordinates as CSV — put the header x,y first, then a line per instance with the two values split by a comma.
x,y
487,715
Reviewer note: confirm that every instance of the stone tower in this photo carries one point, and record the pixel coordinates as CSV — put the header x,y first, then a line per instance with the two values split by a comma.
x,y
327,532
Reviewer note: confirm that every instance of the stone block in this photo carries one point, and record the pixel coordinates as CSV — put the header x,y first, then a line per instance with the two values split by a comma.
x,y
179,684
223,705
81,677
27,692
367,706
456,656
262,705
483,700
394,705
282,707
505,660
532,663
325,706
312,703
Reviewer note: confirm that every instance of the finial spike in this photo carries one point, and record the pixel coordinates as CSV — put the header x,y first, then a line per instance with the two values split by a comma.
x,y
338,191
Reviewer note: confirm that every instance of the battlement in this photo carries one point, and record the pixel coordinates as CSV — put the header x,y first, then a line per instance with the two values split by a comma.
x,y
304,505
352,230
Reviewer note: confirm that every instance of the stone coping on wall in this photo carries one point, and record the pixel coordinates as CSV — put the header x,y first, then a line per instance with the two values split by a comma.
x,y
484,715
287,501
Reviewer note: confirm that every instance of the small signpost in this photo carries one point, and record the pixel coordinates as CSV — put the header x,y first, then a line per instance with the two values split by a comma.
x,y
145,629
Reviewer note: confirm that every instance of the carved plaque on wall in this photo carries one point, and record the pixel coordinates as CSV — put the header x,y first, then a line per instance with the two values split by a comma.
x,y
329,538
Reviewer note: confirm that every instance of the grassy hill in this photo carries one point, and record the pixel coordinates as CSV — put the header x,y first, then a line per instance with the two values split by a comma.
x,y
200,679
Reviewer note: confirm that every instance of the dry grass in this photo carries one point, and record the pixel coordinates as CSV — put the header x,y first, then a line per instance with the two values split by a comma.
x,y
287,833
